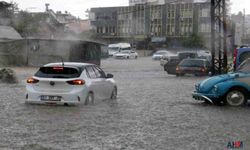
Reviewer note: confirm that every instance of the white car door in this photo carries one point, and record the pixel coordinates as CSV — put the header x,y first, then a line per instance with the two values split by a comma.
x,y
106,85
94,84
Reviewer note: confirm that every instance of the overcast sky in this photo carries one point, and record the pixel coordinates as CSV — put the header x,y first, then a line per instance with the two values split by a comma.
x,y
78,7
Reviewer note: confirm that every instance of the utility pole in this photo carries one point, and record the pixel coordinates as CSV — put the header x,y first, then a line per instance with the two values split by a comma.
x,y
218,33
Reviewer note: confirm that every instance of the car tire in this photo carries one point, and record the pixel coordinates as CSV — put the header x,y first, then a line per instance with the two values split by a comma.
x,y
127,57
136,57
114,94
235,97
180,74
89,99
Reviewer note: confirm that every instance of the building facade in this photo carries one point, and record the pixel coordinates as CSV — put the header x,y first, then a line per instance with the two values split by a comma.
x,y
167,23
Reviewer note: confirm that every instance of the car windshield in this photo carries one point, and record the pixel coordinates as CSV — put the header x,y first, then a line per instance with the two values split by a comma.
x,y
114,48
58,72
126,48
244,66
192,63
125,52
161,52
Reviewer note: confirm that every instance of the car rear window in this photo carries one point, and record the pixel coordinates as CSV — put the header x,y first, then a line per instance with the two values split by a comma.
x,y
59,72
192,63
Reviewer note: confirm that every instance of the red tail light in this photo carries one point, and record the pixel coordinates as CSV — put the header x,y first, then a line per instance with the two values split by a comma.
x,y
177,68
76,82
203,69
32,81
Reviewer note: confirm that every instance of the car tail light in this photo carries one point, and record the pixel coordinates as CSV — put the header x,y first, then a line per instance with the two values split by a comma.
x,y
76,82
177,68
203,69
32,80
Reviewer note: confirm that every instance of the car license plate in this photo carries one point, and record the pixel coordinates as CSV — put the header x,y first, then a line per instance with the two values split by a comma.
x,y
50,98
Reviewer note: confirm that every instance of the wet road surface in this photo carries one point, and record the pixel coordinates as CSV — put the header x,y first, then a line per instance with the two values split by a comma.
x,y
154,111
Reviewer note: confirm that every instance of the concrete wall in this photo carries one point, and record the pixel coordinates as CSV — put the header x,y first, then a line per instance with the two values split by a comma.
x,y
13,53
41,52
37,52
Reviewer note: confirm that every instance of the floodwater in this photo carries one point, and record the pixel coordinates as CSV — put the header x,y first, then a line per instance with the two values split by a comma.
x,y
154,111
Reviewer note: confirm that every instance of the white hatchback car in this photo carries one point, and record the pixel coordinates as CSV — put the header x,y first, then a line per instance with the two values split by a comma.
x,y
70,83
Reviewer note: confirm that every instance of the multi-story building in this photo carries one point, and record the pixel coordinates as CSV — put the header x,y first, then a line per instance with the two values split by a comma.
x,y
167,23
159,2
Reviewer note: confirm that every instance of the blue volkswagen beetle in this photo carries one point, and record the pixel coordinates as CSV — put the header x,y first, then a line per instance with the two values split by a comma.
x,y
232,88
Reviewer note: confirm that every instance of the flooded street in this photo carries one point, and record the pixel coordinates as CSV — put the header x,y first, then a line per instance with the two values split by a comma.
x,y
154,111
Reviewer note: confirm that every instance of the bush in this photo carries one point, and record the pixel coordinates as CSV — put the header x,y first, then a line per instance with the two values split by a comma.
x,y
8,76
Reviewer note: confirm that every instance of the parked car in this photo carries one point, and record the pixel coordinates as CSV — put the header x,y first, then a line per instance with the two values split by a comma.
x,y
232,89
170,66
187,54
118,47
126,54
159,54
196,66
240,54
165,58
70,83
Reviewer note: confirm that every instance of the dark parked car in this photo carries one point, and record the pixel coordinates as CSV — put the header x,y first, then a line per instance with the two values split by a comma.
x,y
170,66
198,67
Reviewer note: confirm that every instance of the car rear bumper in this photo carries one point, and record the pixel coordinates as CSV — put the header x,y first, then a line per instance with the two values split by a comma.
x,y
34,97
194,72
30,101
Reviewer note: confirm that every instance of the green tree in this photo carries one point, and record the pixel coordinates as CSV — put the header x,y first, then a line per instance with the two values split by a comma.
x,y
194,41
26,24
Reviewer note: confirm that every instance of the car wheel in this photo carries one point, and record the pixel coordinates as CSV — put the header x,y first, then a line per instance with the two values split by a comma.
x,y
89,99
127,57
114,93
179,74
136,57
235,97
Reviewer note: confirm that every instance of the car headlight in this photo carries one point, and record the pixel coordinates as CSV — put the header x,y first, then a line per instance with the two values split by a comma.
x,y
215,88
197,86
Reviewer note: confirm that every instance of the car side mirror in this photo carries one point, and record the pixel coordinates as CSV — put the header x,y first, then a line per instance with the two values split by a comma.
x,y
109,76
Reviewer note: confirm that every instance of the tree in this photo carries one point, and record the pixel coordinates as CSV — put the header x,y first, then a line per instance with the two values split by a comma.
x,y
26,24
194,41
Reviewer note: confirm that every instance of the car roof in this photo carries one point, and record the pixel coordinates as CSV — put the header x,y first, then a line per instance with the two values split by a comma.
x,y
195,59
74,64
187,52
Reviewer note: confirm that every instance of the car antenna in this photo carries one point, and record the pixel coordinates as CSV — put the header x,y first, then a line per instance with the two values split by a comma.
x,y
62,62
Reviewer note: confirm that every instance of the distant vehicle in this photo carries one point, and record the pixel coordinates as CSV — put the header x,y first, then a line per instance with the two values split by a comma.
x,y
165,58
159,54
240,54
115,48
126,54
232,89
187,54
195,66
70,83
203,54
170,65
